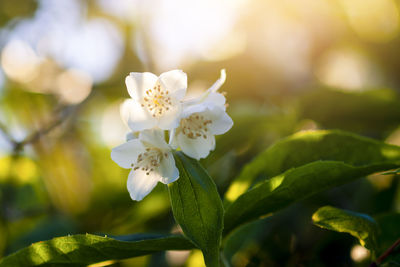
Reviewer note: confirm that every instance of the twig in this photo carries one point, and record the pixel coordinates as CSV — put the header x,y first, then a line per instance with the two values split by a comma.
x,y
35,136
6,134
62,114
385,254
45,130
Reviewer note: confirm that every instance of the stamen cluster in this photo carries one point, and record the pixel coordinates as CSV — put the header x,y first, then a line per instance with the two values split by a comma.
x,y
157,101
194,126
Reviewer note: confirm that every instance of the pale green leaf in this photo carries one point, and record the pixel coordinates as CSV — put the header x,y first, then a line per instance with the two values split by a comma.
x,y
294,185
77,250
358,225
308,146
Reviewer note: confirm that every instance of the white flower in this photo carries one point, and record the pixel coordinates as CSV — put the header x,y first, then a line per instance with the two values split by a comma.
x,y
150,159
155,101
202,118
198,125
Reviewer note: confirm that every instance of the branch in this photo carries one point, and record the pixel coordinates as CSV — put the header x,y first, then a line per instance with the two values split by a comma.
x,y
385,254
6,134
35,136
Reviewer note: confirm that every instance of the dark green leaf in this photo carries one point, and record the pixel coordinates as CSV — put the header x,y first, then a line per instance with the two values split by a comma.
x,y
305,147
197,207
87,249
358,225
294,185
247,237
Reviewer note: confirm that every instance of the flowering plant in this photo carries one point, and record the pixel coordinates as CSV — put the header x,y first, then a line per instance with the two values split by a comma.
x,y
170,133
157,104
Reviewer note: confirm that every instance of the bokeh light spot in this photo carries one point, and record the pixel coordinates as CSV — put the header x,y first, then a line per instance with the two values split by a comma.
x,y
19,61
346,69
359,253
73,86
112,120
373,20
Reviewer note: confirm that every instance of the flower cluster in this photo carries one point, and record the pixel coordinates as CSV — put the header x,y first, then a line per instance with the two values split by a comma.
x,y
158,109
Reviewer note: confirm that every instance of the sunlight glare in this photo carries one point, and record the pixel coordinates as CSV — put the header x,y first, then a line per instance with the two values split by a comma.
x,y
373,20
206,25
93,45
346,69
281,41
112,120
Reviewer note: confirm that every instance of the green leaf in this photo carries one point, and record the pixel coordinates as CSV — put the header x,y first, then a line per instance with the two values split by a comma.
x,y
308,146
87,249
358,225
249,236
197,207
294,185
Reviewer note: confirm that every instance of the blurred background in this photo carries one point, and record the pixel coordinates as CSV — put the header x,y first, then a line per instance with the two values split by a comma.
x,y
291,65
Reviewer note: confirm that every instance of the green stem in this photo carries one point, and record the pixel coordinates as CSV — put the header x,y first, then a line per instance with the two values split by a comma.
x,y
211,258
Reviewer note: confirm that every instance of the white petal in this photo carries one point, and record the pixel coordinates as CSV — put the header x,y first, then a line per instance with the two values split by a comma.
x,y
170,118
138,82
174,81
178,94
172,138
219,82
127,153
131,135
196,148
136,117
197,108
207,98
168,171
193,100
154,138
211,94
221,122
140,184
215,99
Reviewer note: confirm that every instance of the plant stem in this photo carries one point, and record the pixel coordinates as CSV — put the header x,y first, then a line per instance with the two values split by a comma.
x,y
211,259
385,254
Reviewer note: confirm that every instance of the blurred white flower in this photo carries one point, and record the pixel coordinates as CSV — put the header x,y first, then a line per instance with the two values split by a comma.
x,y
150,159
156,101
